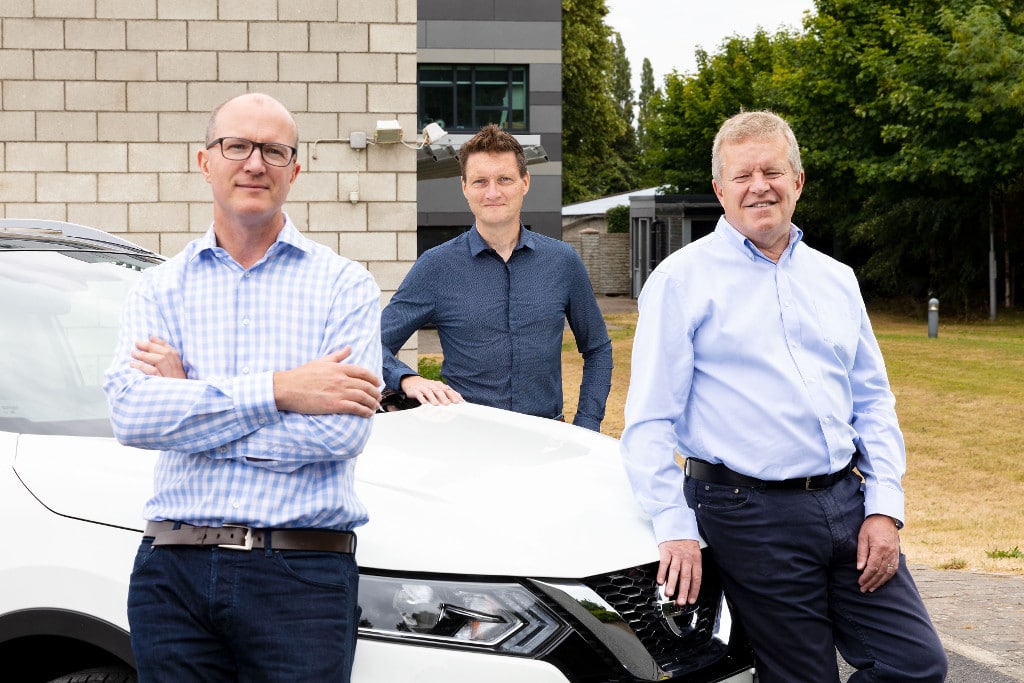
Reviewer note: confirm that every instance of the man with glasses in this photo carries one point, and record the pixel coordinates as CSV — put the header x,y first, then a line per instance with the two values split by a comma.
x,y
250,361
754,360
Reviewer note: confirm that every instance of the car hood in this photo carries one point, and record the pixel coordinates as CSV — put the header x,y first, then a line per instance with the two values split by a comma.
x,y
459,489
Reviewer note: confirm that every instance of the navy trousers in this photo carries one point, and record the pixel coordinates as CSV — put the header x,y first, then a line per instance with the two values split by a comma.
x,y
788,560
263,616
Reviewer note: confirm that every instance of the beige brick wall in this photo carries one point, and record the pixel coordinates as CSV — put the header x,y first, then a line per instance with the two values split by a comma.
x,y
104,104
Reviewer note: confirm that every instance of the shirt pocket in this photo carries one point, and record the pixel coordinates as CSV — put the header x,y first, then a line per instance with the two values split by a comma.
x,y
840,328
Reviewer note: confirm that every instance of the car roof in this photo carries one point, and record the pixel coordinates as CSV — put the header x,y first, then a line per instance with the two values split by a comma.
x,y
33,233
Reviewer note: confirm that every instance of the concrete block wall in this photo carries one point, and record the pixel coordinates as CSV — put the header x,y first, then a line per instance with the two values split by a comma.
x,y
104,106
606,258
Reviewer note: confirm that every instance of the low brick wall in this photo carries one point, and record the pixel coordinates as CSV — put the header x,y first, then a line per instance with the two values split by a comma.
x,y
606,257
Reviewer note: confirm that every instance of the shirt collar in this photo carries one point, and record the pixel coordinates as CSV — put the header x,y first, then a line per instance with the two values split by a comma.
x,y
742,242
477,245
289,236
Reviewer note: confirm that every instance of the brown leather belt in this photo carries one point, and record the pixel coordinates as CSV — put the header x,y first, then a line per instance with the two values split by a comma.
x,y
720,474
235,537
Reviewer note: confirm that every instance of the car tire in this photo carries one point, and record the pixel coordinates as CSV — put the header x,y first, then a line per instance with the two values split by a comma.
x,y
102,674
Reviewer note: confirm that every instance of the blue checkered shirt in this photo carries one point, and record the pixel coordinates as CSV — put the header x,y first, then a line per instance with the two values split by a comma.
x,y
227,454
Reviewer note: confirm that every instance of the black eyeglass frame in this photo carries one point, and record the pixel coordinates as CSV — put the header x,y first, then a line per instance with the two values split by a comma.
x,y
254,146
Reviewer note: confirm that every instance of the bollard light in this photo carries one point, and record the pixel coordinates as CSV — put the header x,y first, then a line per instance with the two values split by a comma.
x,y
933,317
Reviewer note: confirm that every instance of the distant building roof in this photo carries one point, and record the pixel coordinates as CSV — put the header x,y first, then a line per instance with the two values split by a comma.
x,y
600,206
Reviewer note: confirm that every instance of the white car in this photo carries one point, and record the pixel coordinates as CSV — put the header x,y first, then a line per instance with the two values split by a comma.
x,y
500,547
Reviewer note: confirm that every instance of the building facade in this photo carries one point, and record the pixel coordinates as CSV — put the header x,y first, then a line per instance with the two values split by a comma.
x,y
104,104
484,62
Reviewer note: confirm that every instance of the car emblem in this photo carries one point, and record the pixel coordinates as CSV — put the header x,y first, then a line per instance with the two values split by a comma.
x,y
680,619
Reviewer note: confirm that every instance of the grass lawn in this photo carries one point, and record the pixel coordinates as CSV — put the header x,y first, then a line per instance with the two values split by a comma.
x,y
960,400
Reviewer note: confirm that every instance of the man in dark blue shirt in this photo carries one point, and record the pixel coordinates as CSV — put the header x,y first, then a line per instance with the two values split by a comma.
x,y
499,296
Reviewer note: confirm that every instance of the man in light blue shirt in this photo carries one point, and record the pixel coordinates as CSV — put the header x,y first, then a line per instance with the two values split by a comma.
x,y
246,361
754,360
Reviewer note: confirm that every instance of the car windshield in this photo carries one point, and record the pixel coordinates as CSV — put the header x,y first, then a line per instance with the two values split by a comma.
x,y
59,314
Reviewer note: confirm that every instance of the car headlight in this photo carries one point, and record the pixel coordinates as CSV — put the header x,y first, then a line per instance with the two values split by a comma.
x,y
503,617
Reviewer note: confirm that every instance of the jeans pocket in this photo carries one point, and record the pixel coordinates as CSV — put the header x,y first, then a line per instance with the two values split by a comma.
x,y
317,568
716,497
143,555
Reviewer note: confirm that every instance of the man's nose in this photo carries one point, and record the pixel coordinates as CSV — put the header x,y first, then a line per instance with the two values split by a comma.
x,y
255,163
759,182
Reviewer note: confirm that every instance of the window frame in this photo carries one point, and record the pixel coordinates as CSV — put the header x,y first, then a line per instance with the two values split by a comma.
x,y
516,97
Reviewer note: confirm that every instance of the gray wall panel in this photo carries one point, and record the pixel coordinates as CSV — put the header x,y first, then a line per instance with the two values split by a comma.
x,y
539,10
505,35
546,78
444,194
545,118
501,10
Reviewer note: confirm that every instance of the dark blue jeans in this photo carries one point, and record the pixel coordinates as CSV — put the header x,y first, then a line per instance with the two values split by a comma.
x,y
788,560
213,614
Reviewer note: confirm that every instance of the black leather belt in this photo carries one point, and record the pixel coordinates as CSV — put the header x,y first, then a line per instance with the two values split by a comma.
x,y
235,537
720,474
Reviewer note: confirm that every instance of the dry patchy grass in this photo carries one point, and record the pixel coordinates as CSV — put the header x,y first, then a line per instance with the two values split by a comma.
x,y
959,398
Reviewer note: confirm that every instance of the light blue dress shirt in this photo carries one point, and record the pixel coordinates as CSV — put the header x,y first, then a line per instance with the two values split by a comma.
x,y
227,454
771,369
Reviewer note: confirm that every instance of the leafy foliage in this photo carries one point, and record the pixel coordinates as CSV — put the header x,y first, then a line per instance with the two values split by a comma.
x,y
617,219
599,147
429,368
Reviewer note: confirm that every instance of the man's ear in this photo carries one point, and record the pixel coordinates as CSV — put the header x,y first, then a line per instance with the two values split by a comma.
x,y
203,161
718,190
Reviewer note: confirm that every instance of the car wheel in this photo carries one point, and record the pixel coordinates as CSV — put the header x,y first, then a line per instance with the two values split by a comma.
x,y
102,674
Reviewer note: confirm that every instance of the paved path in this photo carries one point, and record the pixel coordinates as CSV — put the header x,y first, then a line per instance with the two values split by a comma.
x,y
979,616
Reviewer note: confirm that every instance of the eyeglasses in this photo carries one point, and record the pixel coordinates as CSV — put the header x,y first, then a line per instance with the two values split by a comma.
x,y
240,149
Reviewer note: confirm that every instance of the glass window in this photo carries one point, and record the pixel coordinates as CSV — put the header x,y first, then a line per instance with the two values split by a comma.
x,y
59,317
463,98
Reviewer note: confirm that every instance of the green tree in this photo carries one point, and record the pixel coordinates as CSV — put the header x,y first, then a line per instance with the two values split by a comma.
x,y
589,117
646,106
624,171
687,117
929,98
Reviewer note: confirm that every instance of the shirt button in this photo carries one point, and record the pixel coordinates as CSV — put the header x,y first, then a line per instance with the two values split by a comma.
x,y
245,371
245,321
262,420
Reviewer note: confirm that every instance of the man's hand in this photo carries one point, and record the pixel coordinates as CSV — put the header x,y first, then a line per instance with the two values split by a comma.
x,y
157,358
326,386
680,570
429,391
878,552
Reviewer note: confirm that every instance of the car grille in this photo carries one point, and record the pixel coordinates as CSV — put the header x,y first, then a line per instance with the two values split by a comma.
x,y
692,644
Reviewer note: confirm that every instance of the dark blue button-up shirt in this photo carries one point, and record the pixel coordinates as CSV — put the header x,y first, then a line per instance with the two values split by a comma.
x,y
500,324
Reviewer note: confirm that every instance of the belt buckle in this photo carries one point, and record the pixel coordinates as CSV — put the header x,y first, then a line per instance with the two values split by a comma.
x,y
246,543
809,485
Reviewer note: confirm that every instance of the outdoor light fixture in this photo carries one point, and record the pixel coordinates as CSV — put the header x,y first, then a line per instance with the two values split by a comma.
x,y
388,131
432,132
